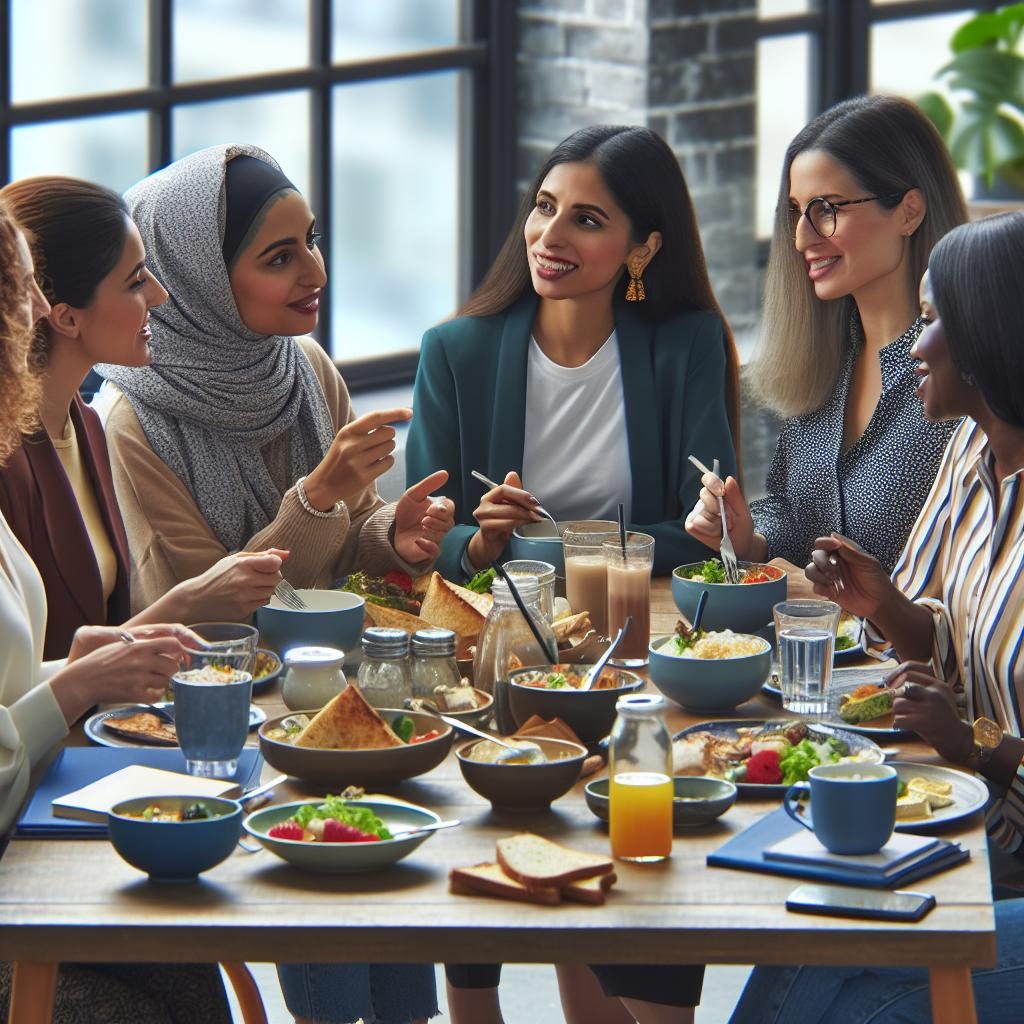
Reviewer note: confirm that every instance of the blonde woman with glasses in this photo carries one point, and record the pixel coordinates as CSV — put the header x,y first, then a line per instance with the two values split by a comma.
x,y
867,190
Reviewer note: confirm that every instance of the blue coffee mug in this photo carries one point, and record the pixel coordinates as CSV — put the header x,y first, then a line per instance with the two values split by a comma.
x,y
853,806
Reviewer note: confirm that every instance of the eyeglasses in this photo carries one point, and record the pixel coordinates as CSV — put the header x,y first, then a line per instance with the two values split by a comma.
x,y
823,214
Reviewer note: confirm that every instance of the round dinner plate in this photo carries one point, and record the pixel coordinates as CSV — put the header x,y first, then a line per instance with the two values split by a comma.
x,y
94,726
727,729
969,795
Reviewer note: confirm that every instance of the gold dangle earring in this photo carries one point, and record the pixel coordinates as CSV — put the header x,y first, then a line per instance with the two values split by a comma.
x,y
635,292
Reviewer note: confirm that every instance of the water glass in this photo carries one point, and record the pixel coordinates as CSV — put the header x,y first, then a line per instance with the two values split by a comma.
x,y
806,635
629,593
586,574
230,638
212,694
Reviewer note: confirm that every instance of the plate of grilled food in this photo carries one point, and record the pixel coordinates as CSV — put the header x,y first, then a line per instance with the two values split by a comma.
x,y
137,725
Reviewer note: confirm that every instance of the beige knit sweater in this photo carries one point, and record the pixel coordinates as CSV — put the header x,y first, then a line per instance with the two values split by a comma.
x,y
170,541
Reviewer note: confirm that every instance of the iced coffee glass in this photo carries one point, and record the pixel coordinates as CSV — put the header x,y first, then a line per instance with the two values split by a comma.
x,y
585,572
629,593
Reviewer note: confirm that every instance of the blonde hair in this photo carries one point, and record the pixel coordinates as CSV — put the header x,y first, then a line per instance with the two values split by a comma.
x,y
889,147
19,387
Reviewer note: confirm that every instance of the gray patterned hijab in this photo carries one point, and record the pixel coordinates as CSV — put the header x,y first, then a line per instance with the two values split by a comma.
x,y
215,392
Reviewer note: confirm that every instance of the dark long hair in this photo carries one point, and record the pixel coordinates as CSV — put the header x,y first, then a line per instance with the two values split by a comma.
x,y
642,173
77,232
888,147
976,288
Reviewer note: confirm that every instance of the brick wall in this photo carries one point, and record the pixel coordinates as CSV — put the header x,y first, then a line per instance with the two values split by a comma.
x,y
685,68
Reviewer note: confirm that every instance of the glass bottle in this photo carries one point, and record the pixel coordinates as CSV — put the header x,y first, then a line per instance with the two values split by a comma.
x,y
640,791
384,677
506,642
544,572
433,662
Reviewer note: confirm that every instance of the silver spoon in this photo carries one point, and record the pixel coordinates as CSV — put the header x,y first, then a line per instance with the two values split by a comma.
x,y
594,673
528,748
539,509
433,826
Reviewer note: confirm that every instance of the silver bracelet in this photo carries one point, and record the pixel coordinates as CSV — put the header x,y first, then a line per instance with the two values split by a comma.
x,y
300,492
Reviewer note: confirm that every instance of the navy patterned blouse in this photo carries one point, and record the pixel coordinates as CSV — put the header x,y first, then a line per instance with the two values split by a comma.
x,y
872,492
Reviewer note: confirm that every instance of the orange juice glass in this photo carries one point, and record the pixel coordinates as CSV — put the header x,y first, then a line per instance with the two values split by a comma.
x,y
640,816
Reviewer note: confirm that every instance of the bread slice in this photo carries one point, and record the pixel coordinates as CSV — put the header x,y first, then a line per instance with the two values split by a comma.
x,y
449,606
490,880
590,890
539,863
547,729
572,625
392,618
348,722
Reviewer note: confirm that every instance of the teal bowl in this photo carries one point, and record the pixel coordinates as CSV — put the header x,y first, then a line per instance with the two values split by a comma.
x,y
697,799
741,607
708,685
334,619
175,851
535,542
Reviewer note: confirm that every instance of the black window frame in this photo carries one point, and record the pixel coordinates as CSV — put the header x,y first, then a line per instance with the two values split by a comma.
x,y
840,35
486,53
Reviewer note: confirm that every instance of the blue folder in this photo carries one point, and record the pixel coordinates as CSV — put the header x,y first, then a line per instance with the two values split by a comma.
x,y
745,852
75,767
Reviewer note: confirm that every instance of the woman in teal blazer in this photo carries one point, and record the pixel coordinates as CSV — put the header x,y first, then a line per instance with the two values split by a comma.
x,y
593,354
609,218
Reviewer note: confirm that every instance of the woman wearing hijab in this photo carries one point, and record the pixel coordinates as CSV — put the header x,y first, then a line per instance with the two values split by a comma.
x,y
240,433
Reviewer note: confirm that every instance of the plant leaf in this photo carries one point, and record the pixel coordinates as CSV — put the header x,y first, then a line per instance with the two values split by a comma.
x,y
938,111
992,76
982,141
981,30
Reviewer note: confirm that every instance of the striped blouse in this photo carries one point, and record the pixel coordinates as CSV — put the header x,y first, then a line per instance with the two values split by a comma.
x,y
964,562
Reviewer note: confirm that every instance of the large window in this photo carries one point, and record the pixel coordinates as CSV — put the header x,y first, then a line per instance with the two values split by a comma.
x,y
814,53
385,113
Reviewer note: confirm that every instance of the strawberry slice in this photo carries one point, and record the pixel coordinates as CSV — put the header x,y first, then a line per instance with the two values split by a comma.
x,y
286,830
338,832
399,579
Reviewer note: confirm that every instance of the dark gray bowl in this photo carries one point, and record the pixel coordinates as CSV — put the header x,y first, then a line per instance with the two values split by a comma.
x,y
590,714
525,786
698,799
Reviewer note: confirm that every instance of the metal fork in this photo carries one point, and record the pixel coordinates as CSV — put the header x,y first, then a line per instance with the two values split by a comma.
x,y
728,553
290,597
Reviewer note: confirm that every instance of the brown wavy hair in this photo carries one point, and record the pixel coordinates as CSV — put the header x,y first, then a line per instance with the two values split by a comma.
x,y
19,386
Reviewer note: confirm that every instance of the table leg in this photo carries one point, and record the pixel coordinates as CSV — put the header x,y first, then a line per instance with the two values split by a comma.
x,y
952,995
33,986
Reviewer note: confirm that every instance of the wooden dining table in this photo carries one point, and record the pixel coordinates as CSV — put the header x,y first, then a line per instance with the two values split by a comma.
x,y
76,900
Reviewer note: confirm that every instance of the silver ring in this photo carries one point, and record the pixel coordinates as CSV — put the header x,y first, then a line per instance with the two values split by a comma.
x,y
126,637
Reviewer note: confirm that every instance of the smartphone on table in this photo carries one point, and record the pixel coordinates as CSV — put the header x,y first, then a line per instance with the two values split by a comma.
x,y
850,901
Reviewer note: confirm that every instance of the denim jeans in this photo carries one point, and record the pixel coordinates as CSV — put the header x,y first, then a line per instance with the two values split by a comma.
x,y
343,993
885,995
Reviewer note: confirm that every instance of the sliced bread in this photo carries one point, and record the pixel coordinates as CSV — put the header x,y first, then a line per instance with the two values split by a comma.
x,y
392,618
590,890
348,722
490,880
449,606
539,863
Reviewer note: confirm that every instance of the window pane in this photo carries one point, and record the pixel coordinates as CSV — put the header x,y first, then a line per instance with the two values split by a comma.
x,y
783,108
784,8
394,231
108,150
100,46
276,122
230,38
906,54
363,30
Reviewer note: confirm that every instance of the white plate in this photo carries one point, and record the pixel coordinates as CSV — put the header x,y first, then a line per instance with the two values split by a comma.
x,y
969,795
105,738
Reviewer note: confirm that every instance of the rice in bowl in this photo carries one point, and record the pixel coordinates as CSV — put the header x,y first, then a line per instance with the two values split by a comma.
x,y
725,643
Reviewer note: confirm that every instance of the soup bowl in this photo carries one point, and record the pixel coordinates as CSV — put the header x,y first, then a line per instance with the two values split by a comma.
x,y
334,618
743,607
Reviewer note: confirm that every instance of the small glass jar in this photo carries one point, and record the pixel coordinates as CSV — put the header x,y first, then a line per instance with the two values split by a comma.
x,y
385,679
314,676
544,573
640,790
506,635
433,662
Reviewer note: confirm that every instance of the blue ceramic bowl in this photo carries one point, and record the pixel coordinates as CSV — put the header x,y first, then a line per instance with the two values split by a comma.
x,y
334,619
175,851
741,607
708,685
534,541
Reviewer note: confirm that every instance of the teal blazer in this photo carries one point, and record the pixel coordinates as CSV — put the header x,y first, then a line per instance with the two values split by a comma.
x,y
469,410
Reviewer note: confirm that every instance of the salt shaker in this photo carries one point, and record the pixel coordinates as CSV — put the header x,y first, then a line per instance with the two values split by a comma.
x,y
385,679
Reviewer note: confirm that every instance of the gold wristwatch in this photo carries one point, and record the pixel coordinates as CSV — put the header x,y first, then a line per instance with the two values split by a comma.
x,y
987,736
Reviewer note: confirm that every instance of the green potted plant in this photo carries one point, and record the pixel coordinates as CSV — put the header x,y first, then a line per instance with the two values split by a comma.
x,y
982,116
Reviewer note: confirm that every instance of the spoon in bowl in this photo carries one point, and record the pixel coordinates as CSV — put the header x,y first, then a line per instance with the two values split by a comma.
x,y
594,672
529,749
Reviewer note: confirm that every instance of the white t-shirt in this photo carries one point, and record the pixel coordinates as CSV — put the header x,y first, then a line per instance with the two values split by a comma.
x,y
576,451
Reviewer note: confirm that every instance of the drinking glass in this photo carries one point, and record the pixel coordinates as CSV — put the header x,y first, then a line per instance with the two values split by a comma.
x,y
212,694
586,574
230,638
544,572
806,635
629,593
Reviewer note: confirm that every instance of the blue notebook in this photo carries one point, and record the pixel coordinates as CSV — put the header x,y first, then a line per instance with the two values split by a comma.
x,y
75,767
745,852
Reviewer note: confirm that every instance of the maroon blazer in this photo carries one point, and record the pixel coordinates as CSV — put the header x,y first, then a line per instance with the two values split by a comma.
x,y
37,501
